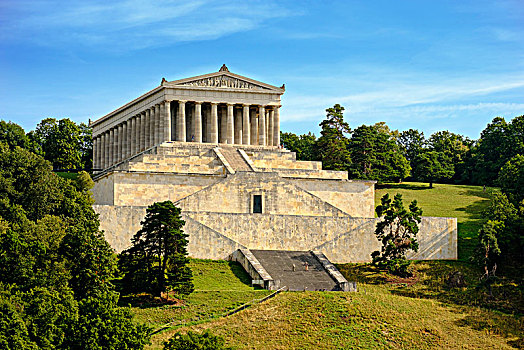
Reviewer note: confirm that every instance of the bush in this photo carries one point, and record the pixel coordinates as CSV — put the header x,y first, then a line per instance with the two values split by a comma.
x,y
195,341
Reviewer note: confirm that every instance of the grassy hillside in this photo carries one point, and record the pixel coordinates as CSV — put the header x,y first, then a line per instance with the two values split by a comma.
x,y
220,286
386,312
373,318
421,313
466,203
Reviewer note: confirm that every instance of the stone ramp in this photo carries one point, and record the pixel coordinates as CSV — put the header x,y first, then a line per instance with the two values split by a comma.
x,y
273,269
235,159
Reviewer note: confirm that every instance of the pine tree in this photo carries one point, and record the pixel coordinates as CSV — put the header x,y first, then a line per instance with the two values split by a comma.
x,y
157,261
332,144
397,232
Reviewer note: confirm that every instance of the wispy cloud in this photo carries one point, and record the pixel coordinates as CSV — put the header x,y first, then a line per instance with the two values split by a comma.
x,y
411,101
132,24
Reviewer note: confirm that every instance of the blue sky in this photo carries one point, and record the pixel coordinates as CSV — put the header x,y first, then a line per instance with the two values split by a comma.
x,y
429,65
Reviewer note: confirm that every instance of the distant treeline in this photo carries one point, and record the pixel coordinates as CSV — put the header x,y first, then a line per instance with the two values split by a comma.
x,y
375,152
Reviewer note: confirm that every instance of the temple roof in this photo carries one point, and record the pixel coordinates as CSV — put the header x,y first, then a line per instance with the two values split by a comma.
x,y
223,79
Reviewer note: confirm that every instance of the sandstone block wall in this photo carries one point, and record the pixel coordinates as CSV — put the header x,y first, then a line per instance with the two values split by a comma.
x,y
341,239
234,195
356,198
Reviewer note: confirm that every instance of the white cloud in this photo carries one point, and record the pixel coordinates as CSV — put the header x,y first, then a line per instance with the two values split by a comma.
x,y
132,24
404,100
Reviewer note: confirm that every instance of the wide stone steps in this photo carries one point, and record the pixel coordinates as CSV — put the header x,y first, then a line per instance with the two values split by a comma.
x,y
234,159
279,264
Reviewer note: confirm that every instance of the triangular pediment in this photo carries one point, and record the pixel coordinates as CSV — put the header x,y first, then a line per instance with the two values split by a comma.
x,y
224,80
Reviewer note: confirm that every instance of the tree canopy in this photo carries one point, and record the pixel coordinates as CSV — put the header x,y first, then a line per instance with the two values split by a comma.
x,y
397,233
157,260
332,144
55,263
376,155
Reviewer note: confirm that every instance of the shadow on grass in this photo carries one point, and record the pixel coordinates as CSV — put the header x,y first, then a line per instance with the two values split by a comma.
x,y
146,301
402,186
239,272
431,276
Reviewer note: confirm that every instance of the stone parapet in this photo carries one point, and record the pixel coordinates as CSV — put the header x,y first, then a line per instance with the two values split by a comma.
x,y
255,270
342,282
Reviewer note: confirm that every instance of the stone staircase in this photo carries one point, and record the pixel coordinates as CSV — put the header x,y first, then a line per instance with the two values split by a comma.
x,y
279,265
234,159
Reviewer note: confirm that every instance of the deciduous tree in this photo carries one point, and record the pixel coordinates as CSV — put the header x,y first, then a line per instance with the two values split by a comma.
x,y
431,166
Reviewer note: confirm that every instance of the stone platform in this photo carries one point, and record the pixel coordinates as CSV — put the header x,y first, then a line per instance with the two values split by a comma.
x,y
274,269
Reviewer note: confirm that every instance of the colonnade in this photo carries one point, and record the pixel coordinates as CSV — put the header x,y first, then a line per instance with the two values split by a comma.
x,y
187,121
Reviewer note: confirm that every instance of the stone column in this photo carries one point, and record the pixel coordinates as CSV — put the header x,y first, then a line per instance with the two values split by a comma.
x,y
132,135
206,115
142,131
246,135
111,146
120,141
151,127
158,125
198,122
230,124
147,136
95,150
101,155
125,144
138,128
222,133
238,126
213,130
107,149
102,151
270,128
254,127
276,126
262,126
166,116
181,122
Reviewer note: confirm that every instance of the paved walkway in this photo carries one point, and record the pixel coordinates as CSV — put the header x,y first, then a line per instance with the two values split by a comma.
x,y
279,264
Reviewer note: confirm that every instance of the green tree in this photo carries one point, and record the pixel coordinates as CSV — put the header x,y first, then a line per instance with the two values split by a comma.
x,y
456,147
511,178
397,232
102,325
64,143
432,166
304,145
14,135
54,260
195,341
499,142
411,142
332,144
375,154
157,261
501,238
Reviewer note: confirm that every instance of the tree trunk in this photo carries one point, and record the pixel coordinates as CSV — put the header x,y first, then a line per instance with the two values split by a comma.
x,y
431,184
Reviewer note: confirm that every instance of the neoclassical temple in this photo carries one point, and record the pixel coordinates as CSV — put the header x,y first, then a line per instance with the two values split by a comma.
x,y
218,108
210,144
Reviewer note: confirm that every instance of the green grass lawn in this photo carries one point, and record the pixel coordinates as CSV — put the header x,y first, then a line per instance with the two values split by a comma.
x,y
220,286
66,175
373,318
465,203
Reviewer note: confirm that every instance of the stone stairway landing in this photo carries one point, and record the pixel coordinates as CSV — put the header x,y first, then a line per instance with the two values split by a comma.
x,y
234,159
279,264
